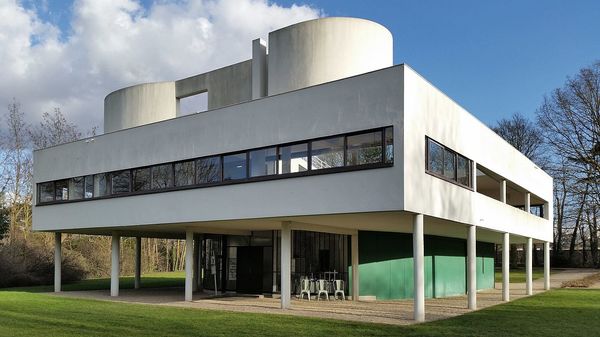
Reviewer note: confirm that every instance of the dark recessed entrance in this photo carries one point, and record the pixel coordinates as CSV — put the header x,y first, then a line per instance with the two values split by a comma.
x,y
250,270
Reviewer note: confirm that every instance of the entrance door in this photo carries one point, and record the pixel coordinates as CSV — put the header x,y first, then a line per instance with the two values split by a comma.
x,y
249,270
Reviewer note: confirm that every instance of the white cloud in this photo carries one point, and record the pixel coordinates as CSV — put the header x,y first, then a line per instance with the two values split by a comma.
x,y
115,43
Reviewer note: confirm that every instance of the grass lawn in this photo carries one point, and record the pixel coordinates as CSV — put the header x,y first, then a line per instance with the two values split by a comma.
x,y
555,313
518,275
151,280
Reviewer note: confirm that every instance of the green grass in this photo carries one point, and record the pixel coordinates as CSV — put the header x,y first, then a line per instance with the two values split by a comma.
x,y
518,275
151,280
554,313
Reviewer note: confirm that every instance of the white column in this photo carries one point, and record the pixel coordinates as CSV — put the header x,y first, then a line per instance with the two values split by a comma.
x,y
115,266
506,268
472,267
503,191
355,276
528,202
419,268
189,265
57,262
528,267
195,265
546,265
286,257
138,263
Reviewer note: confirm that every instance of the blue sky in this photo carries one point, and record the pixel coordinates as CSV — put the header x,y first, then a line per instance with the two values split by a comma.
x,y
493,57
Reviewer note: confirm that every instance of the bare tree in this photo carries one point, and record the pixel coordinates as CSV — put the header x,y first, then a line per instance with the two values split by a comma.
x,y
523,134
54,129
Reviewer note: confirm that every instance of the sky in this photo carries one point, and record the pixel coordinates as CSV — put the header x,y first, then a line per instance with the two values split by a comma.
x,y
494,58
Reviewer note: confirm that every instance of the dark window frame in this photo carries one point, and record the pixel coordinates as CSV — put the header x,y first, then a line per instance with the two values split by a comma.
x,y
248,179
442,176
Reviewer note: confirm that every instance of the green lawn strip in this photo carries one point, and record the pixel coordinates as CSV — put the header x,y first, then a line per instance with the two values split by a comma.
x,y
518,275
563,312
151,280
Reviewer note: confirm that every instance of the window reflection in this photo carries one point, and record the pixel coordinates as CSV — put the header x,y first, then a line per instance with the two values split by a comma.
x,y
293,158
234,166
120,182
263,162
141,179
61,188
435,160
449,164
162,176
208,170
364,149
89,187
389,145
76,188
101,184
46,192
184,173
463,168
327,153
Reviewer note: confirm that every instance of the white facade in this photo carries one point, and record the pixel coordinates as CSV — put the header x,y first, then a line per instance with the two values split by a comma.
x,y
320,78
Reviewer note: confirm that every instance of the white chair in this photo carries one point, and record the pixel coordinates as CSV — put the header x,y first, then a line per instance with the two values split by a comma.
x,y
322,289
339,289
305,288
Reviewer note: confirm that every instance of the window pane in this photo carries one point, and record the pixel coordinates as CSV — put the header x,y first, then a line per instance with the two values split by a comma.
x,y
76,188
449,164
389,145
327,153
120,182
435,161
162,176
100,184
141,179
89,187
208,170
263,162
364,149
184,173
61,190
293,158
234,166
46,192
462,171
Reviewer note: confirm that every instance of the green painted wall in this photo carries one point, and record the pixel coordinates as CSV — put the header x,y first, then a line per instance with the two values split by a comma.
x,y
386,265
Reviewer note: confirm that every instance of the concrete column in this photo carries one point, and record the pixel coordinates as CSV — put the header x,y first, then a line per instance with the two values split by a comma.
x,y
472,267
355,276
57,262
546,265
195,265
259,68
503,191
138,263
528,267
189,265
115,265
286,259
419,268
528,202
506,268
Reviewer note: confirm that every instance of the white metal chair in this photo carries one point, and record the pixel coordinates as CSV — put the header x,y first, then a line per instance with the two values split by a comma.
x,y
339,289
322,289
305,288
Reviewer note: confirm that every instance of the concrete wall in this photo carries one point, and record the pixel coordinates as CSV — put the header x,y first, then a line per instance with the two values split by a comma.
x,y
428,112
322,50
364,102
138,105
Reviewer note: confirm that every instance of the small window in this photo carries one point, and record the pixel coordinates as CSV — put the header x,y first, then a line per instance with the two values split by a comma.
x,y
184,173
263,162
89,187
389,145
141,179
46,192
61,188
463,170
76,186
101,184
208,170
327,153
449,164
364,149
293,158
435,157
120,182
234,166
162,176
